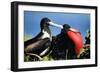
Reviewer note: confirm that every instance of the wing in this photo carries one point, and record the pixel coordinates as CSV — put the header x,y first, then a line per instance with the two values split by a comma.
x,y
37,46
28,42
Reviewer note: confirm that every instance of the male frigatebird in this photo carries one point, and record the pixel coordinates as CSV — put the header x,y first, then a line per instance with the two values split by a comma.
x,y
67,44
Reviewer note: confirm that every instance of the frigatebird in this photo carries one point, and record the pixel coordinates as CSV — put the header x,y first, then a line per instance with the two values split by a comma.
x,y
67,44
40,44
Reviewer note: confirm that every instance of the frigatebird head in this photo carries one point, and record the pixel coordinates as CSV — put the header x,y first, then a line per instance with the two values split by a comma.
x,y
44,23
66,27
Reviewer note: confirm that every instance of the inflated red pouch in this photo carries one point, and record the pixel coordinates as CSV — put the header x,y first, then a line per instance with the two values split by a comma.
x,y
77,39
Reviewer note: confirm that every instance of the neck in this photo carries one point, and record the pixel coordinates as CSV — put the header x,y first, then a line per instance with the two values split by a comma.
x,y
47,34
46,29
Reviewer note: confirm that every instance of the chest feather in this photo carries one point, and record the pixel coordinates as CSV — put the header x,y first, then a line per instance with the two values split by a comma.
x,y
46,35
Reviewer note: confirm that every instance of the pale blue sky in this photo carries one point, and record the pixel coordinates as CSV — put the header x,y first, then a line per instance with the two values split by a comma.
x,y
76,20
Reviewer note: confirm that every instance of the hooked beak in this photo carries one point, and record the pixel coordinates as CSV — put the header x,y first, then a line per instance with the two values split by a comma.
x,y
56,25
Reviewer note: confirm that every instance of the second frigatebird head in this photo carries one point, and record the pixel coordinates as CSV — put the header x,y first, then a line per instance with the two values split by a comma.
x,y
66,26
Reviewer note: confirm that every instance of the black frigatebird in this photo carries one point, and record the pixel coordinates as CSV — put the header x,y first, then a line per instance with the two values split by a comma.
x,y
68,43
40,44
